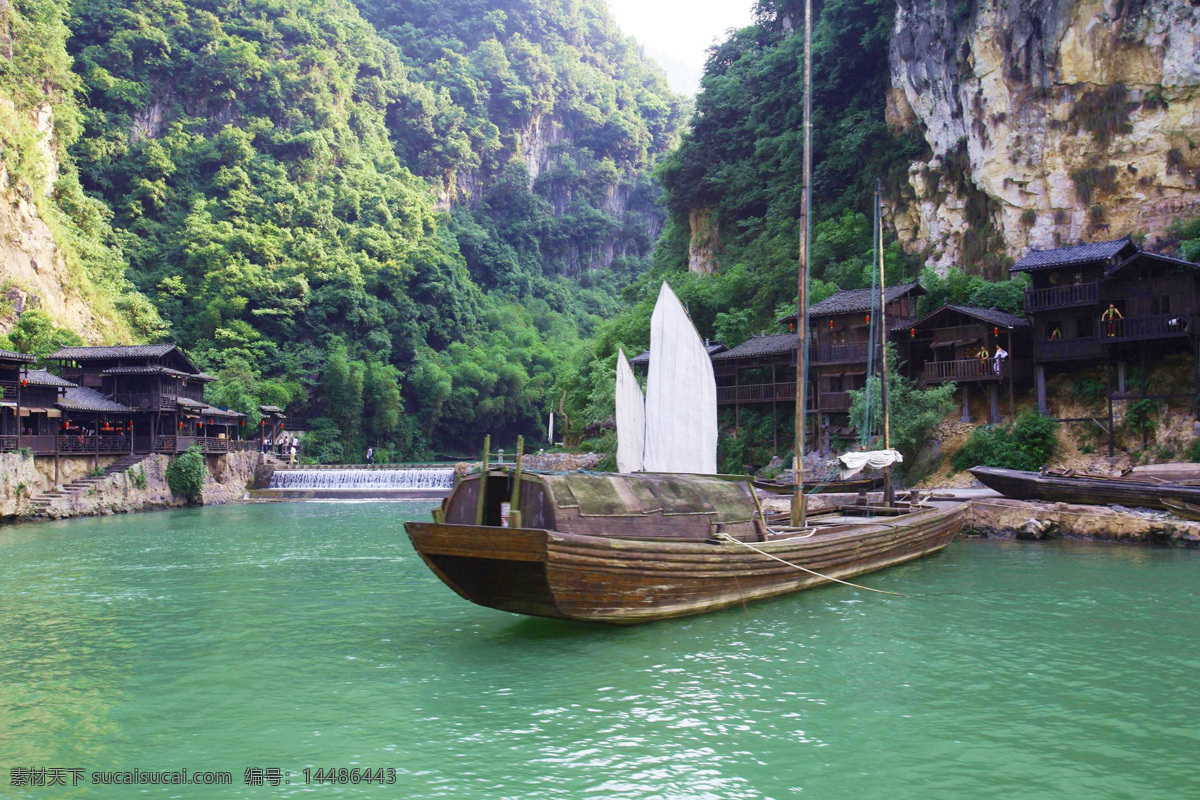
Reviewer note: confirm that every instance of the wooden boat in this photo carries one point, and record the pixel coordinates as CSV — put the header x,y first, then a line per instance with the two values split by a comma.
x,y
627,549
1182,509
871,484
1127,490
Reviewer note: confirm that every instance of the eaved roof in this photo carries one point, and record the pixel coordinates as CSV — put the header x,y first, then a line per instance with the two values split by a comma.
x,y
1143,254
278,410
156,369
40,377
1076,254
991,316
9,355
112,351
644,356
761,346
849,301
81,398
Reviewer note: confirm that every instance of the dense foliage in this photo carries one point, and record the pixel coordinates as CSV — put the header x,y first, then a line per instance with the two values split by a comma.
x,y
1028,443
186,474
274,174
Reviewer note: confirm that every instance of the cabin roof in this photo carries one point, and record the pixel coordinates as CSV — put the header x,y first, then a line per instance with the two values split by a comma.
x,y
40,377
761,346
118,351
9,355
989,315
1144,255
81,398
1075,254
639,494
849,301
278,410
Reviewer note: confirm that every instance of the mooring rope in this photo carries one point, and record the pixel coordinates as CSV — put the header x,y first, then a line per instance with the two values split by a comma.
x,y
725,537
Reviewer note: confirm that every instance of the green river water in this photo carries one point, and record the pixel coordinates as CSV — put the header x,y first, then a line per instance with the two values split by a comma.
x,y
311,636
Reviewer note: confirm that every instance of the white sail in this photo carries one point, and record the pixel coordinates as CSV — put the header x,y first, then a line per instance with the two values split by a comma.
x,y
631,418
854,463
681,394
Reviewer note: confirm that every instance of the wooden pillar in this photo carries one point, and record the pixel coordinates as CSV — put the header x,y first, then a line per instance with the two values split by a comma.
x,y
1108,394
1012,368
737,399
96,443
993,403
21,375
1120,377
1145,433
774,428
966,413
1039,374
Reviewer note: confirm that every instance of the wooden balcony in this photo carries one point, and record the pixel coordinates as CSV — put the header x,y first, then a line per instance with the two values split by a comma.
x,y
210,445
146,402
856,353
759,393
1076,294
1159,326
1080,349
974,370
835,401
51,444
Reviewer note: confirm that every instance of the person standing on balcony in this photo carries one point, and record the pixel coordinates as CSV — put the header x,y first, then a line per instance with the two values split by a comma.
x,y
1110,318
1056,334
983,355
998,359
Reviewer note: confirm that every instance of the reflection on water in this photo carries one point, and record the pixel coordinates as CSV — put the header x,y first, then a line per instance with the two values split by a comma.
x,y
310,635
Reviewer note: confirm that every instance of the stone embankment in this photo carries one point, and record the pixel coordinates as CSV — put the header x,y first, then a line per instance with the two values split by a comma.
x,y
140,487
1035,520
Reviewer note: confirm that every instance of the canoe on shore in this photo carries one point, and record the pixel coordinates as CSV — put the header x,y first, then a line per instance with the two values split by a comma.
x,y
1127,490
1182,509
626,549
872,484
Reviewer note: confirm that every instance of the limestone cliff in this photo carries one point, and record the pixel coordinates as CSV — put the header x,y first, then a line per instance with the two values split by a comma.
x,y
1049,121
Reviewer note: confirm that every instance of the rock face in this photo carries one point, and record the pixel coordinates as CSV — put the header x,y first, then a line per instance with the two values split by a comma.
x,y
1034,520
1049,121
140,488
33,270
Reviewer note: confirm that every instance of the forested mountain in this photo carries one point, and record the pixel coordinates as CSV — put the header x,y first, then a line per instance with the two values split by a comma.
x,y
357,225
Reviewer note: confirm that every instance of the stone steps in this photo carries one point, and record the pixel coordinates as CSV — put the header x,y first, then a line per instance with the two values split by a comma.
x,y
79,485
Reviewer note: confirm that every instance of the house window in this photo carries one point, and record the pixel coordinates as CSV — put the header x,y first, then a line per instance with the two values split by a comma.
x,y
835,384
1160,304
1083,328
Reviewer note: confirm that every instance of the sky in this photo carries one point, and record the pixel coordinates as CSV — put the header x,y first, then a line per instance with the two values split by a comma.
x,y
677,33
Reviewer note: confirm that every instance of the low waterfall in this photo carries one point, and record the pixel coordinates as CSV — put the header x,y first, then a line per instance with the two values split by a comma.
x,y
416,479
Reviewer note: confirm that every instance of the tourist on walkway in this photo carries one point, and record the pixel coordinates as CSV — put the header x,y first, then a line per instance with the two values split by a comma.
x,y
371,455
292,454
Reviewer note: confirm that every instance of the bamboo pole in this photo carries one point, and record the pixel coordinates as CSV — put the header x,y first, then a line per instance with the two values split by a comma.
x,y
888,495
799,515
514,510
483,470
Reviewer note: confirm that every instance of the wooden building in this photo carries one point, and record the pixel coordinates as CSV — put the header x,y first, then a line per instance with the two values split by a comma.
x,y
1110,303
959,344
158,389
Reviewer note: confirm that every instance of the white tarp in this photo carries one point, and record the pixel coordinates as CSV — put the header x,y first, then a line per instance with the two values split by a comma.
x,y
631,418
853,463
681,394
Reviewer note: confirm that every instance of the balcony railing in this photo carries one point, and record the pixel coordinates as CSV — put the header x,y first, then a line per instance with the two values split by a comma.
x,y
1159,326
208,444
1077,294
107,444
145,402
969,370
839,353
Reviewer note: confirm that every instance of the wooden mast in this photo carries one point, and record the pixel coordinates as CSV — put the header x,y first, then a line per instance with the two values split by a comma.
x,y
883,376
798,501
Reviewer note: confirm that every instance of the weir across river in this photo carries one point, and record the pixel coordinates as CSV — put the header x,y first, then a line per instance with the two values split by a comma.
x,y
360,481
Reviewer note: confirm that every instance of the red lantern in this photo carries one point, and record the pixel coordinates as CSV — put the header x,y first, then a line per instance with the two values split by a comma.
x,y
830,324
995,331
912,332
868,319
180,426
24,381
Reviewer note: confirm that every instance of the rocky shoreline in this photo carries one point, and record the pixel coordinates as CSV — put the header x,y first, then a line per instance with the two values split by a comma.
x,y
142,487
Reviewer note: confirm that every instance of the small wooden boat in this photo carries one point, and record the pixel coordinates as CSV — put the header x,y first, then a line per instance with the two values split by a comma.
x,y
1182,509
1127,490
871,484
632,548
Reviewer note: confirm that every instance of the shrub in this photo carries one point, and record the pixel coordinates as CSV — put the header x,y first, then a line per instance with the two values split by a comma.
x,y
1140,416
185,474
1193,451
1028,444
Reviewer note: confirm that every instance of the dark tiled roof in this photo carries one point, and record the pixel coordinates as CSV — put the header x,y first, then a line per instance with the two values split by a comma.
x,y
40,377
113,351
1076,254
190,403
219,412
644,356
81,398
1154,256
278,410
150,369
989,315
9,355
761,346
850,300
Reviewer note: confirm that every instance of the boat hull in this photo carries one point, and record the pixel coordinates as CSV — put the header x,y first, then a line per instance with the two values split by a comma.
x,y
627,581
1023,485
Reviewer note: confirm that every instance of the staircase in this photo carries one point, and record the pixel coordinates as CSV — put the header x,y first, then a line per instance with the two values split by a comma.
x,y
40,503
